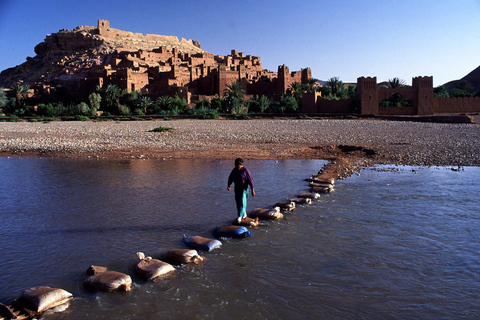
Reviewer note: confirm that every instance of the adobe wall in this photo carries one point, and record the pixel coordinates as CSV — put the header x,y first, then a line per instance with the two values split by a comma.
x,y
457,105
285,78
399,111
309,101
421,94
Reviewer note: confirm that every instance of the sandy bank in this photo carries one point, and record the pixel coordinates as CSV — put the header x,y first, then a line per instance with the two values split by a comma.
x,y
362,142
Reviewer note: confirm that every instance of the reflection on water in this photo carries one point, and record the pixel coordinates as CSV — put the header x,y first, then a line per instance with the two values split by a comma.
x,y
389,243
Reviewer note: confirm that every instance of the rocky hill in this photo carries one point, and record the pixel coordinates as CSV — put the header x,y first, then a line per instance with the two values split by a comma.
x,y
473,77
81,53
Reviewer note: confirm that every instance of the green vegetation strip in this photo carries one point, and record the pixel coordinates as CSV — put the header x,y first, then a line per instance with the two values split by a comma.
x,y
162,129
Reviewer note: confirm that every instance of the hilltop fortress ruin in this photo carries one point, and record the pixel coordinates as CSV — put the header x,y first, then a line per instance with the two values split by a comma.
x,y
82,58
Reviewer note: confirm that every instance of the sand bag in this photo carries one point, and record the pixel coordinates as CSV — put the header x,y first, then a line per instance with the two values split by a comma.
x,y
321,189
246,222
182,256
40,299
301,200
201,243
286,205
310,195
108,281
236,232
266,214
152,268
322,180
320,185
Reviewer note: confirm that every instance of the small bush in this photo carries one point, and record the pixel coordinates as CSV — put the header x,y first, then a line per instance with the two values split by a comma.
x,y
240,117
211,114
78,117
162,129
138,112
45,120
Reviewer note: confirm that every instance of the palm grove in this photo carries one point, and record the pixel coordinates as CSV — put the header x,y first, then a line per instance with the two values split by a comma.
x,y
112,100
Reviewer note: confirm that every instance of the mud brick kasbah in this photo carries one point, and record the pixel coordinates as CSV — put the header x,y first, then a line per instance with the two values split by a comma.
x,y
153,64
156,65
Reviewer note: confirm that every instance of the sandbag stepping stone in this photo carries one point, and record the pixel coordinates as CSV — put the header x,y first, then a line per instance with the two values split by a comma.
x,y
201,243
41,299
286,205
152,268
310,195
266,214
236,232
246,222
108,281
182,256
301,200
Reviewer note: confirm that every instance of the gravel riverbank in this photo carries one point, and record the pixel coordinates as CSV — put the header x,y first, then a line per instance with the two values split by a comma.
x,y
396,142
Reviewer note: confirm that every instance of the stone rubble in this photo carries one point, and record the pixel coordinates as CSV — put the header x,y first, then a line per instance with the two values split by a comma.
x,y
395,142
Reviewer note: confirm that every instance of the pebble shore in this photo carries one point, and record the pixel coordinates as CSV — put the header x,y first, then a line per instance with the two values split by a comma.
x,y
394,142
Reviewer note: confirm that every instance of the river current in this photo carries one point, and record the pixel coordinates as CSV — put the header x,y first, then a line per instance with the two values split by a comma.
x,y
393,242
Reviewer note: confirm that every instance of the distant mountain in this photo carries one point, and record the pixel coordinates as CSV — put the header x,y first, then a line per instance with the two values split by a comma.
x,y
473,77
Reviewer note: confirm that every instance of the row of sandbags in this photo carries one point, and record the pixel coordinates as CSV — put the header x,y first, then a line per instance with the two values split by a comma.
x,y
35,301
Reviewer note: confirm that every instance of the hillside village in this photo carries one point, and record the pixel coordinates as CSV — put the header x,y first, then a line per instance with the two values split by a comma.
x,y
86,57
91,59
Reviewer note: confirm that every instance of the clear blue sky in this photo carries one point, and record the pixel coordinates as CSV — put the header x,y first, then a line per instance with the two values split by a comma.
x,y
341,38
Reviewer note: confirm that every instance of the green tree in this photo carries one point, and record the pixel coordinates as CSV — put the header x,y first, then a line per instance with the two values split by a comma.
x,y
311,85
83,109
217,104
162,104
296,89
94,100
234,96
177,105
351,91
235,90
440,92
112,98
465,86
456,93
202,104
288,104
335,84
20,93
3,98
326,91
259,104
143,103
396,83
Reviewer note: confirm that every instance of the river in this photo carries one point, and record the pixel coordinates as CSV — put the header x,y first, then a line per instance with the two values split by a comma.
x,y
393,242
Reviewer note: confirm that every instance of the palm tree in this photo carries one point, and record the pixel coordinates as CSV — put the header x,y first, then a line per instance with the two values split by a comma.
x,y
311,84
163,102
234,90
144,102
112,97
20,91
3,98
335,84
396,83
235,98
296,90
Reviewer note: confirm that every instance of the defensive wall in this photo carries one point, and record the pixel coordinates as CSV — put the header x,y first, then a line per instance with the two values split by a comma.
x,y
369,96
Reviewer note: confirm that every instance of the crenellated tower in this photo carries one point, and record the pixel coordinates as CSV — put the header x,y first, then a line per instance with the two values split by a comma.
x,y
425,101
368,94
